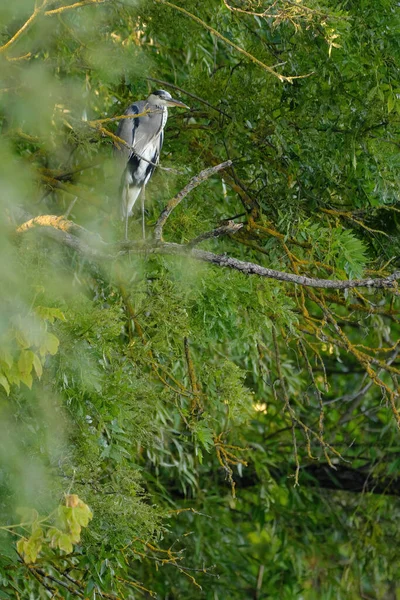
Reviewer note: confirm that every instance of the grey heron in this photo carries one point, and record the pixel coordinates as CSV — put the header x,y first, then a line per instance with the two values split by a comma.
x,y
143,135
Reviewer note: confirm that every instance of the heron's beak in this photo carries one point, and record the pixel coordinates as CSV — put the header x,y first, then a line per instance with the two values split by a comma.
x,y
174,102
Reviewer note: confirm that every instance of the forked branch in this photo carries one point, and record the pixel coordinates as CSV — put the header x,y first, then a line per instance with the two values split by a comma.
x,y
193,183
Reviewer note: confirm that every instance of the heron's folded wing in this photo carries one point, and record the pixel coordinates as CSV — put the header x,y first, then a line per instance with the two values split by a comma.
x,y
127,129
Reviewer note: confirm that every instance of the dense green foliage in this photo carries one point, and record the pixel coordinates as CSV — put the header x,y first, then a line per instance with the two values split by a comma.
x,y
234,436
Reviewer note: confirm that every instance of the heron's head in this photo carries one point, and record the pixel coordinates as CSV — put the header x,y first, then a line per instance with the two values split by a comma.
x,y
163,98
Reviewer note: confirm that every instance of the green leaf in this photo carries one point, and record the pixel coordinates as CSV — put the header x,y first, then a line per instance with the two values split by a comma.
x,y
391,102
204,435
26,379
32,549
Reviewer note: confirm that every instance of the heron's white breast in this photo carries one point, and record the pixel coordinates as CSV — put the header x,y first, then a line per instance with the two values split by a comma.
x,y
146,157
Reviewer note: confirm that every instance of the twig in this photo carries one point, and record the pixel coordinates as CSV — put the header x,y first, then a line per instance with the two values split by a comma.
x,y
55,580
191,372
74,190
193,183
17,58
57,11
195,405
358,396
227,229
249,268
287,406
260,576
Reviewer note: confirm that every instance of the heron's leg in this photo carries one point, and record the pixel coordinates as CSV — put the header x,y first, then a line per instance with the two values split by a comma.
x,y
125,202
143,197
126,227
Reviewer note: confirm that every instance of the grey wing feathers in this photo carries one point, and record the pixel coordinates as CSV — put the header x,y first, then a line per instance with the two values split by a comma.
x,y
127,130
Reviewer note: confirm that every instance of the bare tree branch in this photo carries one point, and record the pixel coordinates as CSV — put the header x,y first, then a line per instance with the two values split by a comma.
x,y
249,268
94,248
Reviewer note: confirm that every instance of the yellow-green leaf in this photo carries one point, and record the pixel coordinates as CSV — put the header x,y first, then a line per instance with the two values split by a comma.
x,y
49,345
54,535
26,378
49,314
65,543
75,532
21,545
81,512
38,365
6,357
32,548
25,362
5,384
21,339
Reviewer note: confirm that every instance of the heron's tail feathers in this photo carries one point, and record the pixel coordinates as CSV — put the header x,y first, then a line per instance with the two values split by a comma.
x,y
130,193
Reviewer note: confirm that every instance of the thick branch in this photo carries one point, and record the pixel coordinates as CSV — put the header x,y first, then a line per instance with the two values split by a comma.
x,y
249,268
93,247
193,183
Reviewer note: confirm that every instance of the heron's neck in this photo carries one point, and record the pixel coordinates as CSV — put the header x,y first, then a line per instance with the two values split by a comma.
x,y
164,115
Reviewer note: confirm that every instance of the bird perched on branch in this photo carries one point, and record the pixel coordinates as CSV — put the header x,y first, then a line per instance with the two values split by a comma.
x,y
143,134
